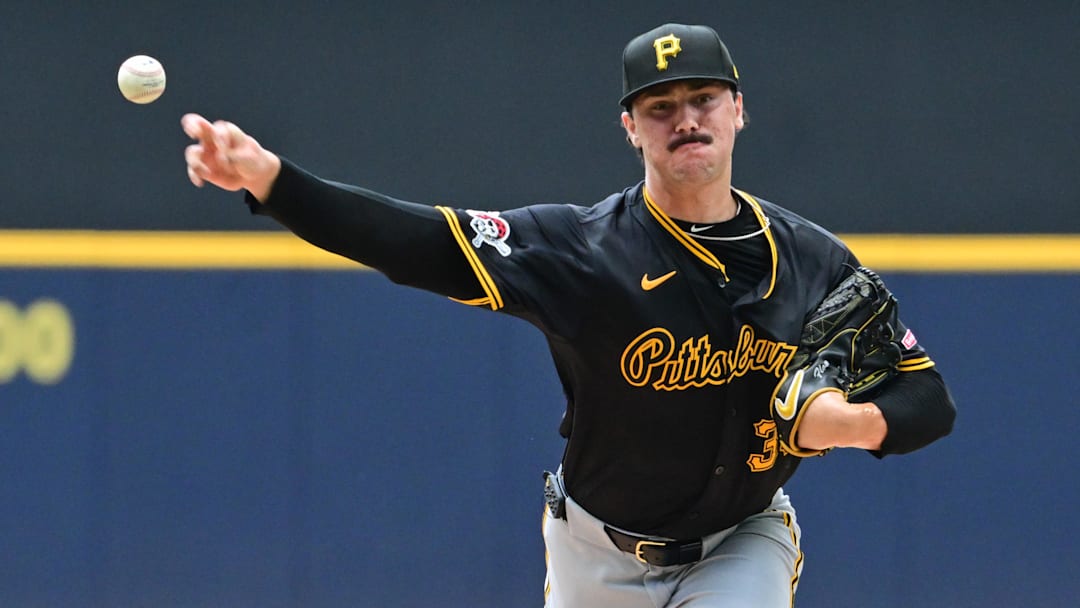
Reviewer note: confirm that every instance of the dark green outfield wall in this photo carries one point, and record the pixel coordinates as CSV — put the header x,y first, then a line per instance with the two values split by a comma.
x,y
913,116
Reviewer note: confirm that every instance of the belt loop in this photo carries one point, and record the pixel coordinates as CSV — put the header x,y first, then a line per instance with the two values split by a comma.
x,y
691,552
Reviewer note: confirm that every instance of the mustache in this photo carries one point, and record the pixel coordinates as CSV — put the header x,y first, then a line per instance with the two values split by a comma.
x,y
690,138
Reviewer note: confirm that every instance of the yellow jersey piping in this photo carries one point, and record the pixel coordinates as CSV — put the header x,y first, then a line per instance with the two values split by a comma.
x,y
756,206
687,241
494,298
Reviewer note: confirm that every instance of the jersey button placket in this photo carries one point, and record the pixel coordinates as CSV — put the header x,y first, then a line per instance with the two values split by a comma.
x,y
719,470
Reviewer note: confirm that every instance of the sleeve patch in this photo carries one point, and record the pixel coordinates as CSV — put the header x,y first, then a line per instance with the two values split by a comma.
x,y
909,341
490,229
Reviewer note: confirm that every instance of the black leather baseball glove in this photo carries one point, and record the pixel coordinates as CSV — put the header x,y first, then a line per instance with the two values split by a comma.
x,y
848,345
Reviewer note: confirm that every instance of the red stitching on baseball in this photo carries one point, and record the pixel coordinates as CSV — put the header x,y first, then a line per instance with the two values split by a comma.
x,y
137,72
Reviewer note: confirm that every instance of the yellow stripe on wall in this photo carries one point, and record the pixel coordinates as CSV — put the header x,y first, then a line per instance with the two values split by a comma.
x,y
968,252
164,250
282,251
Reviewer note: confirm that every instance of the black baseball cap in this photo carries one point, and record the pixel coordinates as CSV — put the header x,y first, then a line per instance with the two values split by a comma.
x,y
675,52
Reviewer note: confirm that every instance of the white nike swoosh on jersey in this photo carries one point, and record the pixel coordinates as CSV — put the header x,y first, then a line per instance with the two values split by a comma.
x,y
696,228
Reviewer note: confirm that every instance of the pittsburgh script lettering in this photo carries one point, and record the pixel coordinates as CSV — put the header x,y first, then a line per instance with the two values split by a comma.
x,y
655,358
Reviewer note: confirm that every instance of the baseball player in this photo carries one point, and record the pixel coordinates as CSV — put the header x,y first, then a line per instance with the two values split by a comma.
x,y
706,339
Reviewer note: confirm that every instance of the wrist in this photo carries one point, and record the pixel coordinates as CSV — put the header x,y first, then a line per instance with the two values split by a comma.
x,y
830,421
866,427
262,183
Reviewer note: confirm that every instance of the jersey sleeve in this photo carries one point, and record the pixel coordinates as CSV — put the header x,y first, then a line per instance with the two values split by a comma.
x,y
918,409
526,259
916,404
913,357
410,243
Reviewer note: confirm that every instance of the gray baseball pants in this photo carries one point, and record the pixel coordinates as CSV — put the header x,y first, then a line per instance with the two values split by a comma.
x,y
754,564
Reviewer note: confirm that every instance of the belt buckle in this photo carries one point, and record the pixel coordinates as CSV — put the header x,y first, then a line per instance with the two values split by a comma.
x,y
639,551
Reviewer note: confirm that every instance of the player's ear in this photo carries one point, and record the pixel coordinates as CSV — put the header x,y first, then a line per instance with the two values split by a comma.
x,y
740,114
631,129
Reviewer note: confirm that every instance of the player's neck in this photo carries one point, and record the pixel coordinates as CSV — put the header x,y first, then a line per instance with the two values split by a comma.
x,y
703,203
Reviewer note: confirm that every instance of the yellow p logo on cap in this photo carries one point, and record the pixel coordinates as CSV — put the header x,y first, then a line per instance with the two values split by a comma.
x,y
666,46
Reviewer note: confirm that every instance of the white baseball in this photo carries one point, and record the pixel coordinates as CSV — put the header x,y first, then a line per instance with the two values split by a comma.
x,y
141,79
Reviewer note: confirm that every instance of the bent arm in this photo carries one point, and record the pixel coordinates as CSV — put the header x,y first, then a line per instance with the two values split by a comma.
x,y
918,410
911,411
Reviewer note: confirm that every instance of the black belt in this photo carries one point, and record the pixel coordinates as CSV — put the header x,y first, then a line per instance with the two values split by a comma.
x,y
656,552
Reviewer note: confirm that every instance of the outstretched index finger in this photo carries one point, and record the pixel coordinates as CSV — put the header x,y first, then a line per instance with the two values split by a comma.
x,y
197,127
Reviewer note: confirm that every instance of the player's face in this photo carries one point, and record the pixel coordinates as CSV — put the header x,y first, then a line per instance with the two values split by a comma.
x,y
686,129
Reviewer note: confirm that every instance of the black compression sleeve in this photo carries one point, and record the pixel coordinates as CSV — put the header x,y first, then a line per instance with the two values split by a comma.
x,y
918,410
408,242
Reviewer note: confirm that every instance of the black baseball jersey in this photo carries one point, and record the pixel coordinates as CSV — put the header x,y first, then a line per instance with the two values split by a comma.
x,y
667,374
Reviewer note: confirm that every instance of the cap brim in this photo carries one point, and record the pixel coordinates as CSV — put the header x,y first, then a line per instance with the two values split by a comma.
x,y
629,97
